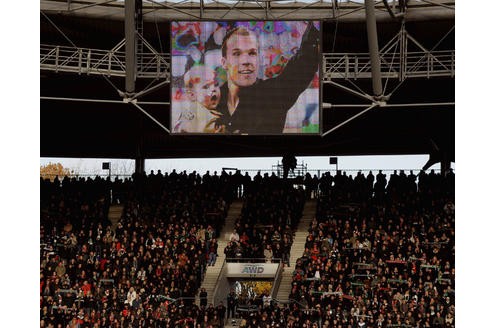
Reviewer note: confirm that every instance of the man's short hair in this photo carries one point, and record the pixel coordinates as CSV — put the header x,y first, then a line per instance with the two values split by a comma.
x,y
239,30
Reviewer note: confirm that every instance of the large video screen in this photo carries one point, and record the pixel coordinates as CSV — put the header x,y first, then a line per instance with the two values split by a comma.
x,y
245,77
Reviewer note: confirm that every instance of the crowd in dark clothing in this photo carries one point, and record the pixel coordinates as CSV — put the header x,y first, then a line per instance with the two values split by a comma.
x,y
143,273
270,214
74,201
380,255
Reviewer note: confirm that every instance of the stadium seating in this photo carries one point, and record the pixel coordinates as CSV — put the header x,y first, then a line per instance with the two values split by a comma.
x,y
271,212
145,272
377,254
385,262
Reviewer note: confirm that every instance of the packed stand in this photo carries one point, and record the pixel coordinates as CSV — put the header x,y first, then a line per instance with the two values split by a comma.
x,y
379,254
146,272
263,311
271,211
72,203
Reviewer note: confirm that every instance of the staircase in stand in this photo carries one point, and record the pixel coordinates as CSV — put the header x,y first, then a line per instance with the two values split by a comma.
x,y
213,272
297,249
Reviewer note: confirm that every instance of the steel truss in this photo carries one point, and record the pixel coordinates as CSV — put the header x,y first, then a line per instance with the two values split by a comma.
x,y
152,65
158,10
335,66
396,60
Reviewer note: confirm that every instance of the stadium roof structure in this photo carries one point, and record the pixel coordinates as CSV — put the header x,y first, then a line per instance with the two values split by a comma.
x,y
86,113
160,11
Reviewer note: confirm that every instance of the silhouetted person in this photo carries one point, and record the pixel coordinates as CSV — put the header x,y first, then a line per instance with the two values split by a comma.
x,y
289,163
203,297
231,304
221,309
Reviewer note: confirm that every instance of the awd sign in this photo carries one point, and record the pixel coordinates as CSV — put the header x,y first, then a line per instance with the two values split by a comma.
x,y
258,270
253,269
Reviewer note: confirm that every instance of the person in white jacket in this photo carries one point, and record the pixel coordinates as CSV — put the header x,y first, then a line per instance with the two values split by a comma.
x,y
131,296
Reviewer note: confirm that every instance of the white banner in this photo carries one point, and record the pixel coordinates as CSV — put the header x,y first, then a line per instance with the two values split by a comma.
x,y
252,270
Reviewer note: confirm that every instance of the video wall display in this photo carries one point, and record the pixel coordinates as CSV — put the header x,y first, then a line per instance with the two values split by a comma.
x,y
245,77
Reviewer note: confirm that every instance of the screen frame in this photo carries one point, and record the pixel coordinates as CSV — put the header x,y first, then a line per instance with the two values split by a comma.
x,y
320,79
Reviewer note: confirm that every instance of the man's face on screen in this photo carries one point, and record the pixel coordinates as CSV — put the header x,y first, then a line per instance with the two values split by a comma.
x,y
241,59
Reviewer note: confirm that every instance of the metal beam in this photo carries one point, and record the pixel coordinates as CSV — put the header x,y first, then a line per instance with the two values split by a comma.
x,y
324,105
349,120
391,12
433,104
108,101
83,100
139,162
438,4
351,91
130,47
350,11
149,90
151,117
174,8
89,6
157,65
373,48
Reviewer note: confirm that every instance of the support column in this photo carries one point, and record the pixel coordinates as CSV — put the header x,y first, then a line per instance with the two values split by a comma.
x,y
139,31
444,164
403,52
130,47
139,160
139,165
267,9
373,48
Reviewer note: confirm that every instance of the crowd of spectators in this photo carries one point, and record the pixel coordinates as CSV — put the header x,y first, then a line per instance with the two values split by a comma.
x,y
72,202
379,254
143,272
270,214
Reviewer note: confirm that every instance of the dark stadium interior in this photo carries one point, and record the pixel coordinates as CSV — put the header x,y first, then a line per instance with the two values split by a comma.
x,y
83,129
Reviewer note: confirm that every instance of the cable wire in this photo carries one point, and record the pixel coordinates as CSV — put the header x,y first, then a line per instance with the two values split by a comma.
x,y
391,66
335,34
436,45
56,27
156,28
